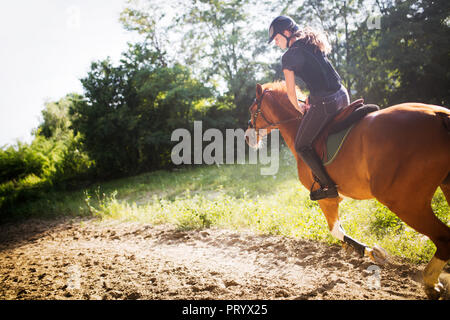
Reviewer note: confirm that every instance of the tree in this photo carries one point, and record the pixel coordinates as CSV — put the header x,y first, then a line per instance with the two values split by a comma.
x,y
407,57
145,24
56,117
415,44
217,38
130,110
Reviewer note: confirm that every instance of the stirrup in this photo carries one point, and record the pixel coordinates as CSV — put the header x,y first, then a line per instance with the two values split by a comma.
x,y
322,193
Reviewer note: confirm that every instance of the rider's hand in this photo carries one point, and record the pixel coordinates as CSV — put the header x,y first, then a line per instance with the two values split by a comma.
x,y
302,108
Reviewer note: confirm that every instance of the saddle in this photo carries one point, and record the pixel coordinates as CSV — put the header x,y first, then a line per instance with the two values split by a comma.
x,y
332,137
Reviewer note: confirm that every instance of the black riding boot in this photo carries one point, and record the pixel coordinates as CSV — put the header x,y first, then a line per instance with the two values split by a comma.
x,y
327,186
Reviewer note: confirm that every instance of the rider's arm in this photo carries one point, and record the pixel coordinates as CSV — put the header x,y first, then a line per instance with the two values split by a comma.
x,y
291,92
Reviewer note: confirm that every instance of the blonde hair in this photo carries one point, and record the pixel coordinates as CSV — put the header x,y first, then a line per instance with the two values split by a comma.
x,y
316,38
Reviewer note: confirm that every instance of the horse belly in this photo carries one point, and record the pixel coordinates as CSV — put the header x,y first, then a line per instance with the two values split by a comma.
x,y
349,169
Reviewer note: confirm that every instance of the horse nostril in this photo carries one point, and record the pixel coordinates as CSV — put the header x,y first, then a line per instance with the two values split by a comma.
x,y
251,137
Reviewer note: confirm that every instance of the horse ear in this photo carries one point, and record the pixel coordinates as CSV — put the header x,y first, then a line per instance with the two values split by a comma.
x,y
259,90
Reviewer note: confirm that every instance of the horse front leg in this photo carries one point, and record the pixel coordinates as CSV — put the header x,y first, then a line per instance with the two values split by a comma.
x,y
330,208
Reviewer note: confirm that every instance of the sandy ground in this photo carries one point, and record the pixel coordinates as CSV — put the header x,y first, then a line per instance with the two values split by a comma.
x,y
88,259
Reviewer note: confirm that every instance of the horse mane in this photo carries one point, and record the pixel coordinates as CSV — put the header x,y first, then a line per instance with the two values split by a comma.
x,y
279,91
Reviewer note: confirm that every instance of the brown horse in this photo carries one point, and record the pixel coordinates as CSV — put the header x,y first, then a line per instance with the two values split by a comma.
x,y
399,155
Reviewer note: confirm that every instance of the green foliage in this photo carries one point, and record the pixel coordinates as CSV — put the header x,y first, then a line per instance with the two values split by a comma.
x,y
415,42
17,163
384,221
214,36
54,158
407,58
56,119
129,111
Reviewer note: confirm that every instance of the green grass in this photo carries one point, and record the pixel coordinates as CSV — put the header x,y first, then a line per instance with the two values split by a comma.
x,y
238,197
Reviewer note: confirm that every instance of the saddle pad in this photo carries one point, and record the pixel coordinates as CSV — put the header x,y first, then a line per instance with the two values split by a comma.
x,y
326,146
334,144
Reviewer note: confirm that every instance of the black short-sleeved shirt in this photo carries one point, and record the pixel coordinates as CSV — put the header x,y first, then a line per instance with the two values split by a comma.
x,y
313,67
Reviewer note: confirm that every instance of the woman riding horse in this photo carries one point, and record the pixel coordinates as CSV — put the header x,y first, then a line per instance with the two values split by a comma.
x,y
306,58
399,155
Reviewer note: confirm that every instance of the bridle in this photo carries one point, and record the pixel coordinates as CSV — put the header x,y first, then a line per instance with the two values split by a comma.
x,y
258,112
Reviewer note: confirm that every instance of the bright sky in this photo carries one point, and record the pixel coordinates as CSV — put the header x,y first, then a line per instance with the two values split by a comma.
x,y
46,47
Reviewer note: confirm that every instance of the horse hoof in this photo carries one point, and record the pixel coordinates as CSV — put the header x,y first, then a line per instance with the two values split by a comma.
x,y
436,292
347,248
378,255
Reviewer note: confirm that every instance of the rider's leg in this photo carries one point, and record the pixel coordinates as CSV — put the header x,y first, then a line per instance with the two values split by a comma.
x,y
328,188
313,123
318,116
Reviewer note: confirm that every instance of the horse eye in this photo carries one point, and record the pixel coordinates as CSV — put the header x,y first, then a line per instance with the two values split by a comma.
x,y
250,124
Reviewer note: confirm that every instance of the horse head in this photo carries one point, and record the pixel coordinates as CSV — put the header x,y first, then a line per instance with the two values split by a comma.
x,y
270,109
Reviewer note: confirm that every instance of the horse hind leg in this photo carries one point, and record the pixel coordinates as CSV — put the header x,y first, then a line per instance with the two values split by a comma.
x,y
424,221
439,264
433,287
439,234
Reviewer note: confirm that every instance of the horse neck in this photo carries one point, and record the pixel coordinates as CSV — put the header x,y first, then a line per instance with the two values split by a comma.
x,y
288,130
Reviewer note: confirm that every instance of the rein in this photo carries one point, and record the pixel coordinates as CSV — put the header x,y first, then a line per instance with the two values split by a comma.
x,y
259,112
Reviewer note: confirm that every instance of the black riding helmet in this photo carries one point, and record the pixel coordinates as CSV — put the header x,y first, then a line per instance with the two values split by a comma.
x,y
279,24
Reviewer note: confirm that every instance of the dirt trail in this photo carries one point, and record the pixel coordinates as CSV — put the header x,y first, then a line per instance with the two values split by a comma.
x,y
87,259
